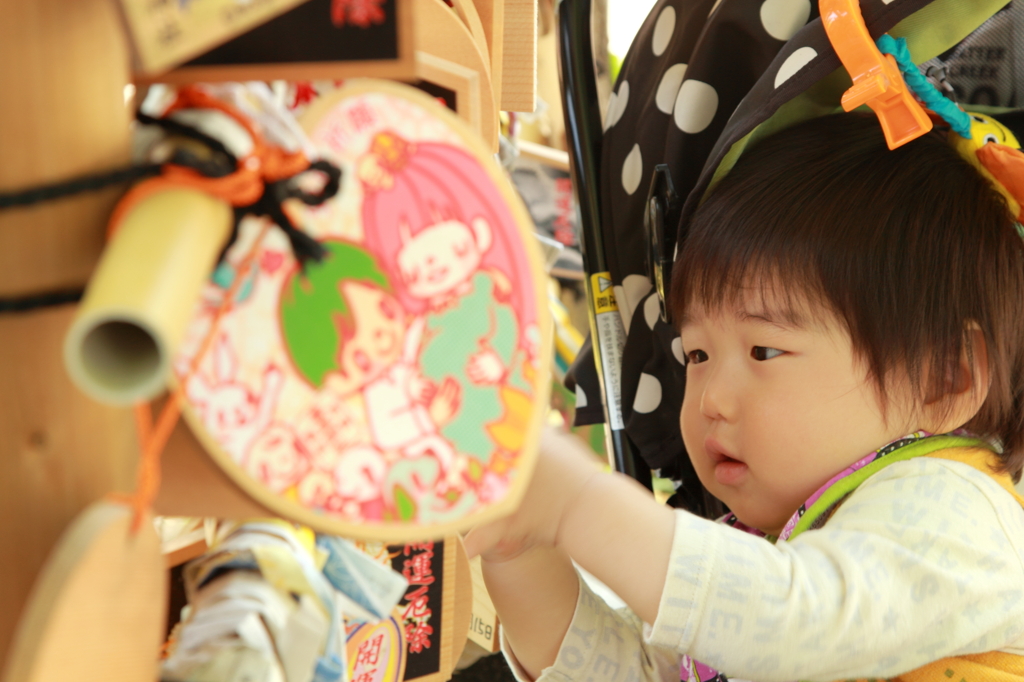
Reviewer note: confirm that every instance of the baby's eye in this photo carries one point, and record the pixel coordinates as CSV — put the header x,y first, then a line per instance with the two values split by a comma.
x,y
461,249
765,353
695,357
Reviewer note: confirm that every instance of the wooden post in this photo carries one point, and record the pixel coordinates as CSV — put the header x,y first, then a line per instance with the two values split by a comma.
x,y
492,17
519,54
62,114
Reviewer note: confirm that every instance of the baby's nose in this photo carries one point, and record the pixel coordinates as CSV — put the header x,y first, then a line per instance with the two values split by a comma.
x,y
718,399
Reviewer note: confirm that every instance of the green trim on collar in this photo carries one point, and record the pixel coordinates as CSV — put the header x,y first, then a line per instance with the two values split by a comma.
x,y
848,484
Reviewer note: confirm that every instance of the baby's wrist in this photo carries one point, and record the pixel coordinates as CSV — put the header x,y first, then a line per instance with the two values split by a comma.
x,y
577,502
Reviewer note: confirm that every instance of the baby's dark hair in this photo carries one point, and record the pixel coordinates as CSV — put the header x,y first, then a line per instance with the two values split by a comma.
x,y
906,248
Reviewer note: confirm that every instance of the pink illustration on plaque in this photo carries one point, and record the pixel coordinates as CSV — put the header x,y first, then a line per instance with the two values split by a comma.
x,y
395,380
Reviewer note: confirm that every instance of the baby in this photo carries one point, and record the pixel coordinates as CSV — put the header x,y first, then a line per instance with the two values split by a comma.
x,y
852,324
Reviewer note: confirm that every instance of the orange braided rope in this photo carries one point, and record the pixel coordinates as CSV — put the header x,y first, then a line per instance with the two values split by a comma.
x,y
265,163
154,437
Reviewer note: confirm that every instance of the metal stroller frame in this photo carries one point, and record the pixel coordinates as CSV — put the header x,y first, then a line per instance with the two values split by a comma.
x,y
584,136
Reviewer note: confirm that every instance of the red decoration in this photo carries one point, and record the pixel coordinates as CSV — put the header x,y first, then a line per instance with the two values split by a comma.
x,y
304,93
361,13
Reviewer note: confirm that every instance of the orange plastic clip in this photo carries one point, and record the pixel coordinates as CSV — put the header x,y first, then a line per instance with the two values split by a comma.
x,y
877,81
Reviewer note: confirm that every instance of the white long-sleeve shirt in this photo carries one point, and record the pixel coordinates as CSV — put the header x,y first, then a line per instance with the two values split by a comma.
x,y
924,560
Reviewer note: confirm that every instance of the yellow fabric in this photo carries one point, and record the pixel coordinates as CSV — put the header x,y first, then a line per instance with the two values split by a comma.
x,y
993,666
984,461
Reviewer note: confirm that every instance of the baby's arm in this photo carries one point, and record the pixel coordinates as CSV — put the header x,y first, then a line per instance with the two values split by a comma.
x,y
917,565
535,596
608,523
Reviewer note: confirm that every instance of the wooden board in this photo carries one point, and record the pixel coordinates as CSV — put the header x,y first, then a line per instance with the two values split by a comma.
x,y
483,628
437,607
440,33
60,450
66,65
165,34
519,56
471,18
305,43
464,597
97,610
192,484
460,80
310,443
492,18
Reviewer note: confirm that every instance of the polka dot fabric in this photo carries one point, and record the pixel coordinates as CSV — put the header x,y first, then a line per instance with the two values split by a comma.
x,y
700,76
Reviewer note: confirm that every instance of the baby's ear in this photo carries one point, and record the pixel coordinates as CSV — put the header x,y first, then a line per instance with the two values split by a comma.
x,y
482,232
964,387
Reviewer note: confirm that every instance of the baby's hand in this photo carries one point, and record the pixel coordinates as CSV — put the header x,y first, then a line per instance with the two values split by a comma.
x,y
564,466
485,368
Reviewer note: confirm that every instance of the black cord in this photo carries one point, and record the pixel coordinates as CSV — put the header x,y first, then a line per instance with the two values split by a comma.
x,y
89,183
221,164
23,304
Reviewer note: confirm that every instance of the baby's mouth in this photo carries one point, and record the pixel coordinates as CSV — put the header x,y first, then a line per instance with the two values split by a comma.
x,y
728,469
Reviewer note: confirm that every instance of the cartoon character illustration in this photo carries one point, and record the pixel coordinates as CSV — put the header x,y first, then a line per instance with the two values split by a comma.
x,y
347,333
442,231
232,411
328,427
277,459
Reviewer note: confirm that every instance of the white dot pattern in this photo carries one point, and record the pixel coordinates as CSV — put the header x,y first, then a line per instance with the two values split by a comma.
x,y
634,288
617,105
696,105
677,350
581,397
652,310
783,18
632,170
668,88
648,394
794,62
663,30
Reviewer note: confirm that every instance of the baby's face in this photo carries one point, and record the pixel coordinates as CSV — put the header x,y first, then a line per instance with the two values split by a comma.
x,y
774,408
438,259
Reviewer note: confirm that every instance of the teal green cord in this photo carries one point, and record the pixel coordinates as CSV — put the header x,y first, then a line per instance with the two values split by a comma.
x,y
929,95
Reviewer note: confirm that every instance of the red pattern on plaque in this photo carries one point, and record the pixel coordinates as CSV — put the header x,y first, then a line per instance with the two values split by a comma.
x,y
361,13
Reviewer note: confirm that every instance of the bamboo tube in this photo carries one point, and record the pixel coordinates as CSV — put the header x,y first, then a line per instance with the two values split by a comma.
x,y
142,296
